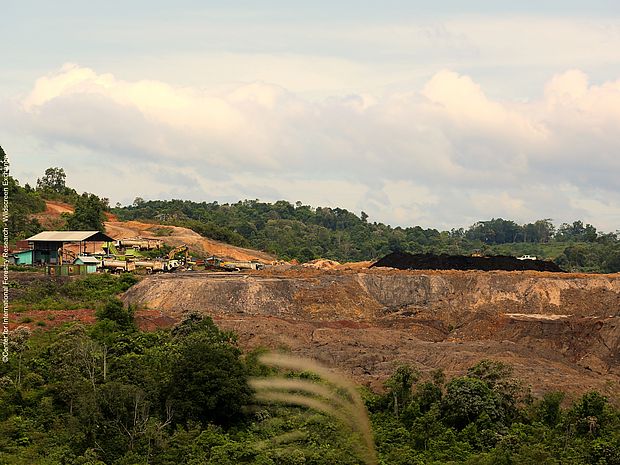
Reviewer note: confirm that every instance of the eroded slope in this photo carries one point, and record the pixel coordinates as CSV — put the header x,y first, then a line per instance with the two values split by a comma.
x,y
559,331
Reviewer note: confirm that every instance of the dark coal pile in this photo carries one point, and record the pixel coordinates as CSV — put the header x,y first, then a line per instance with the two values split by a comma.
x,y
427,261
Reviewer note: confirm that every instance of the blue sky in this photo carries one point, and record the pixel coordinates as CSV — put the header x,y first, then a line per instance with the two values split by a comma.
x,y
426,113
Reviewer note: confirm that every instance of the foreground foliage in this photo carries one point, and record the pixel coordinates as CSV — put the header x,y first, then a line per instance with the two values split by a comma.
x,y
110,394
64,293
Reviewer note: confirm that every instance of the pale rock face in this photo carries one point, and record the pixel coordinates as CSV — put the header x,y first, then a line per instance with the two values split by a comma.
x,y
559,331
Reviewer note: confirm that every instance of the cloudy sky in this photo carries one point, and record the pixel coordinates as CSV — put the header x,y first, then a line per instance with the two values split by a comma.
x,y
416,112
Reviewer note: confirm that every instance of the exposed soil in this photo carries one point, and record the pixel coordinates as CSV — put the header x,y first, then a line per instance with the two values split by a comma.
x,y
198,245
52,218
427,261
559,331
147,320
48,319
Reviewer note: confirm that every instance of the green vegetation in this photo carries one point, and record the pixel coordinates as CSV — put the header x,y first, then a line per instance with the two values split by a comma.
x,y
89,214
23,201
88,291
320,389
161,231
26,201
26,268
110,394
52,186
486,417
304,233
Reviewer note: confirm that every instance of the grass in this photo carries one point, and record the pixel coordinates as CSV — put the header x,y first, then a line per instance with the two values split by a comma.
x,y
26,268
80,292
322,390
161,231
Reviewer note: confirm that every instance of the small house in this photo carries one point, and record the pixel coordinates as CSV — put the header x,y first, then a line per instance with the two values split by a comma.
x,y
23,257
91,263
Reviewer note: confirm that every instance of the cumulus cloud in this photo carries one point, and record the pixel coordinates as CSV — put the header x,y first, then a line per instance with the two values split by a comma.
x,y
444,155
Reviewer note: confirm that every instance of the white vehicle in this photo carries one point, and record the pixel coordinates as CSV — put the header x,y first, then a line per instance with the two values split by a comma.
x,y
526,257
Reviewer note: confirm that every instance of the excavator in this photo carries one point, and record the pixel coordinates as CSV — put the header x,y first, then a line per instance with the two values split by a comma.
x,y
173,263
177,250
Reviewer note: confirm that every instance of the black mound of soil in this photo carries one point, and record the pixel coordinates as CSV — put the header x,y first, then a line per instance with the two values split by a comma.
x,y
427,261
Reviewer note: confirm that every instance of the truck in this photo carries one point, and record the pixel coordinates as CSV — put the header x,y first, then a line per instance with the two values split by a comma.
x,y
139,243
150,266
117,266
241,265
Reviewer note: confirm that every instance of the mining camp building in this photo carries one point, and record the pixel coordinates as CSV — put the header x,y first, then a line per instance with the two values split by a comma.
x,y
91,263
47,246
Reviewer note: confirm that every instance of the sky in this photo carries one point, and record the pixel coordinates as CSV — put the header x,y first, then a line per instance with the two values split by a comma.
x,y
437,114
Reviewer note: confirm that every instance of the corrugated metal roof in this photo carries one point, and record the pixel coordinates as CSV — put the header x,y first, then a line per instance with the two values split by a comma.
x,y
70,236
87,259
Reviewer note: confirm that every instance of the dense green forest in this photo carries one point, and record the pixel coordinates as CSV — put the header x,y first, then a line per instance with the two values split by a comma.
x,y
112,394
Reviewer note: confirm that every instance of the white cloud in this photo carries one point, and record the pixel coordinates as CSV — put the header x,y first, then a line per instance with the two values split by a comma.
x,y
444,155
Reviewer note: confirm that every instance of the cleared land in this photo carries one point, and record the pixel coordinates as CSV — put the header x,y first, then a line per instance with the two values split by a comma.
x,y
175,235
559,331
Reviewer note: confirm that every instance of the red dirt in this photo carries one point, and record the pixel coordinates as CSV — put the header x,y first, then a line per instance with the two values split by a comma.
x,y
52,218
152,320
51,318
558,330
198,245
147,320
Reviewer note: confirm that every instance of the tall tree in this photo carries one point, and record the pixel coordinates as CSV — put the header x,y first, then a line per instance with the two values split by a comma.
x,y
89,213
53,180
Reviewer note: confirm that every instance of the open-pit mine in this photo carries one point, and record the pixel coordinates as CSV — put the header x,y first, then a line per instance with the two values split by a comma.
x,y
559,331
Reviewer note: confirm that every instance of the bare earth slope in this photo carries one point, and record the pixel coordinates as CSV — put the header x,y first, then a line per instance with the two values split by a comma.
x,y
558,331
177,236
51,218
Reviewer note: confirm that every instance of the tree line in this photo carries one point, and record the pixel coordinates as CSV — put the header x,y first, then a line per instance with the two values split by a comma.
x,y
301,232
297,231
26,201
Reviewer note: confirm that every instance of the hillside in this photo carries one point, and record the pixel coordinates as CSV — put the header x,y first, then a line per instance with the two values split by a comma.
x,y
175,235
170,235
444,353
301,232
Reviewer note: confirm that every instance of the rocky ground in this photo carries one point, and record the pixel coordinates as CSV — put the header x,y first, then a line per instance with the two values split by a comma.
x,y
559,331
